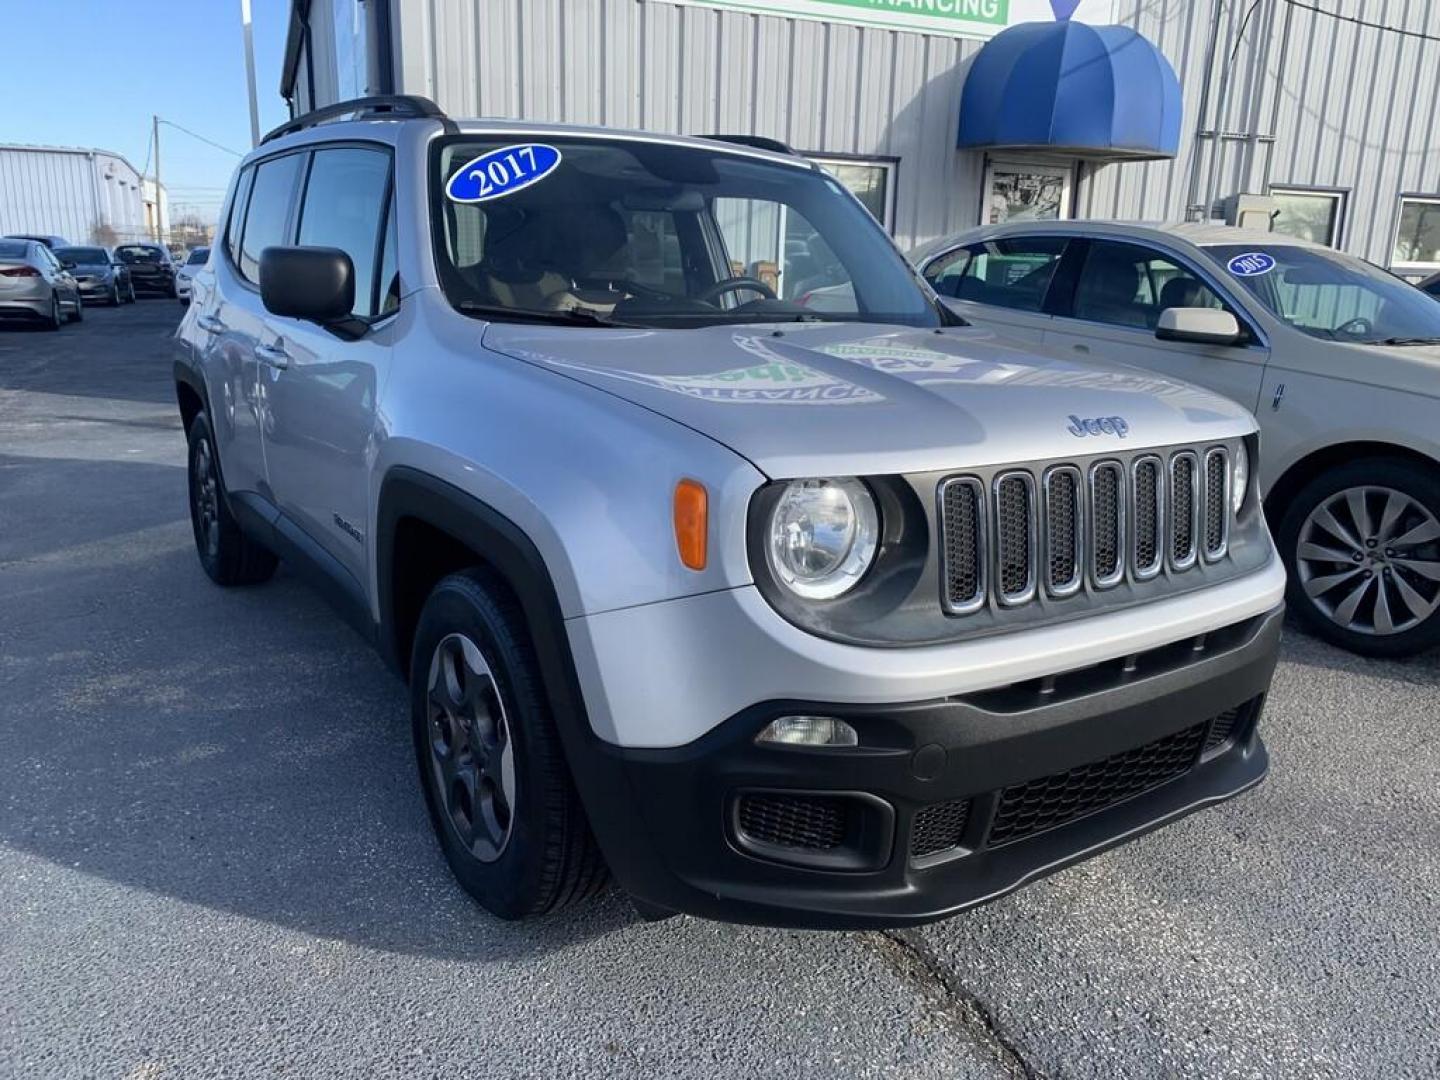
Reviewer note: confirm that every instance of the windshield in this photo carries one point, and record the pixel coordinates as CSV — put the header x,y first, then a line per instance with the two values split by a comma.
x,y
83,256
198,256
137,254
646,234
1332,296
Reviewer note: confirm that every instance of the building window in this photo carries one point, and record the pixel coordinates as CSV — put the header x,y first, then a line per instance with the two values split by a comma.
x,y
871,180
1417,241
1022,191
1309,214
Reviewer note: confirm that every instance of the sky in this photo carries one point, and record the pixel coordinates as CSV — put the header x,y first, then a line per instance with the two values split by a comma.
x,y
91,73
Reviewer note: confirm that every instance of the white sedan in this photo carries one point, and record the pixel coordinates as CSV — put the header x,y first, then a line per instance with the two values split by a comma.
x,y
195,261
1339,361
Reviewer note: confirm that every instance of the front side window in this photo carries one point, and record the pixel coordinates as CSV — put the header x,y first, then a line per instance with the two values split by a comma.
x,y
1332,296
1308,215
268,215
655,234
1130,285
236,224
1417,242
343,207
1009,272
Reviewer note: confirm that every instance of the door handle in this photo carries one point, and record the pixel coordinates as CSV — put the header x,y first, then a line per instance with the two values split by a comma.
x,y
211,324
273,355
1082,348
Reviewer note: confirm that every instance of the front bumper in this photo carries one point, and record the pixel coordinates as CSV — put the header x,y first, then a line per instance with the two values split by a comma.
x,y
947,803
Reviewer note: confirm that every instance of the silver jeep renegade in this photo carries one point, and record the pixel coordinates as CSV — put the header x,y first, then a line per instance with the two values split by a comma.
x,y
718,556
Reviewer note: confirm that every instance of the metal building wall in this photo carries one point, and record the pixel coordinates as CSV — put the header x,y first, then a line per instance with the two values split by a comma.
x,y
822,88
1308,100
43,189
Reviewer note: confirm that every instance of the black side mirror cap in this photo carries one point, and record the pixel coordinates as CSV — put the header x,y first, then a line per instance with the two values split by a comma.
x,y
312,283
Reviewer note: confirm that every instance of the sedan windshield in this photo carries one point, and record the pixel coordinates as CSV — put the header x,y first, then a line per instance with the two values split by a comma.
x,y
83,256
634,233
1333,296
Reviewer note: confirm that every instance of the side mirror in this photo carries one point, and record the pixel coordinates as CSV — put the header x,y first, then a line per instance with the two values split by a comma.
x,y
312,283
1201,326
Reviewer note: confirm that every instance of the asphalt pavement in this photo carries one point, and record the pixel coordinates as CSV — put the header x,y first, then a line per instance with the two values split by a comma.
x,y
215,861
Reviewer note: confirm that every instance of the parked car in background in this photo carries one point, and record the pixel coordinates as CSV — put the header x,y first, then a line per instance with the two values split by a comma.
x,y
795,617
1431,285
184,276
1339,360
50,240
34,286
151,269
100,275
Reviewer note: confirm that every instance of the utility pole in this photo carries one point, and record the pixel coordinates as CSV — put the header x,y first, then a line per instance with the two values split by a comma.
x,y
155,128
250,72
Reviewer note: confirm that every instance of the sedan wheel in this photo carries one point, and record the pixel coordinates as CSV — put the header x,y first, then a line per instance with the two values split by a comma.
x,y
56,319
1364,550
115,295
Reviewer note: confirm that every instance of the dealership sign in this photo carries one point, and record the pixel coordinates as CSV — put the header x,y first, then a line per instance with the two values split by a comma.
x,y
963,18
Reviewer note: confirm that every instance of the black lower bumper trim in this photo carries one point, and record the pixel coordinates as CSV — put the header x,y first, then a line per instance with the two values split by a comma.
x,y
1064,779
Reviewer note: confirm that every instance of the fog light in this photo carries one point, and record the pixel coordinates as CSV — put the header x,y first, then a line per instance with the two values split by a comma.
x,y
809,731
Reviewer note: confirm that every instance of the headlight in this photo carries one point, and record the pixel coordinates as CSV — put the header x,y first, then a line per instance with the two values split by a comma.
x,y
1239,478
822,536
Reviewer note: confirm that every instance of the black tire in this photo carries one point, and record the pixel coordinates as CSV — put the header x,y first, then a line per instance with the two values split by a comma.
x,y
78,315
114,294
548,858
1306,575
56,319
130,294
228,556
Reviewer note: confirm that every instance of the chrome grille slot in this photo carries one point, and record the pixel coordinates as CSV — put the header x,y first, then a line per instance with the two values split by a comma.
x,y
1064,527
1015,537
1184,509
1148,502
962,554
1217,502
1107,523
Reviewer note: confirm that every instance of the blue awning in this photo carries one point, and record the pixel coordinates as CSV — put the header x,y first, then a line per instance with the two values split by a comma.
x,y
1096,91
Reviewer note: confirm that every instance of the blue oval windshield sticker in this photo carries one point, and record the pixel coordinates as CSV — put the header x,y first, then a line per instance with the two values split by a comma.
x,y
502,172
1251,264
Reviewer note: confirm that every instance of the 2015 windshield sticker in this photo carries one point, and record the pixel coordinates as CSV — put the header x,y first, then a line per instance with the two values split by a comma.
x,y
502,172
1250,264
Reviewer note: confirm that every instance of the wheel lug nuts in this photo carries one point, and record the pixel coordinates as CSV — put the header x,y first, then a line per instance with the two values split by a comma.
x,y
1389,553
1370,543
1357,557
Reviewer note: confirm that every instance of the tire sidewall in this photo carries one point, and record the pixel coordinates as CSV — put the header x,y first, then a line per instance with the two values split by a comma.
x,y
508,886
200,430
1414,480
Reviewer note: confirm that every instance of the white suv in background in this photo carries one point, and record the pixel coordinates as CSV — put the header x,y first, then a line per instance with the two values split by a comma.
x,y
1339,360
185,273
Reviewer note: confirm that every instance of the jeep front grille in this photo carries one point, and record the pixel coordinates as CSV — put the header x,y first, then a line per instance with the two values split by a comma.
x,y
1055,530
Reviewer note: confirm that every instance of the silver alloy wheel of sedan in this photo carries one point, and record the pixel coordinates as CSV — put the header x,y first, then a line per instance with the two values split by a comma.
x,y
471,753
1369,558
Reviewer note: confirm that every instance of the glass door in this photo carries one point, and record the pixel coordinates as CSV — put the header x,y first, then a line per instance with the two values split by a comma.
x,y
1021,191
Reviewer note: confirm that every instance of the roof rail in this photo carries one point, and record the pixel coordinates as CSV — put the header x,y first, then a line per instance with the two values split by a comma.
x,y
759,142
390,106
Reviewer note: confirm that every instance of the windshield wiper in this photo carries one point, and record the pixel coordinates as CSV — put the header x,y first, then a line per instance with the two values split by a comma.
x,y
1406,341
570,317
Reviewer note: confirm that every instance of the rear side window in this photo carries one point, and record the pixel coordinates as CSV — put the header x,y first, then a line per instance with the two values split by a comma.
x,y
345,208
237,215
269,211
1010,272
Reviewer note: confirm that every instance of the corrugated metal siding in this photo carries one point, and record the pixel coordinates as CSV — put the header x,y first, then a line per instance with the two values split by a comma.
x,y
1349,106
824,89
68,192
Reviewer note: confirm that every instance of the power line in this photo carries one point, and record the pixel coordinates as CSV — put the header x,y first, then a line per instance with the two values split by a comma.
x,y
202,138
1362,22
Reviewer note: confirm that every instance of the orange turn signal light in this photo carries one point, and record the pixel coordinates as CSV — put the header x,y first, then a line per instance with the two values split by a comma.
x,y
691,522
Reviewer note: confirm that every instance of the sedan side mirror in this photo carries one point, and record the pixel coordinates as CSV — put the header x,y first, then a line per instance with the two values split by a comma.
x,y
312,283
1200,326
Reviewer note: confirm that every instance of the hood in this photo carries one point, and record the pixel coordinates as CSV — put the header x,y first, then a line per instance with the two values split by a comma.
x,y
855,398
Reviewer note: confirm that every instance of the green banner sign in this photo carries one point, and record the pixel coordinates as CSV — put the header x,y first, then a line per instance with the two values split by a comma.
x,y
969,18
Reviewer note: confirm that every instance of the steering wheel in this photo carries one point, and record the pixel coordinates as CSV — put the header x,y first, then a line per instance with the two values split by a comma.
x,y
1355,327
735,284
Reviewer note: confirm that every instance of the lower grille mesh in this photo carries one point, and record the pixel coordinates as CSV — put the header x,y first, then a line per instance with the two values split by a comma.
x,y
811,823
939,827
1051,801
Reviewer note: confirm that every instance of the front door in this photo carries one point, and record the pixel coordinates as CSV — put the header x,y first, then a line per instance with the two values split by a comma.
x,y
321,387
1000,283
1119,292
1020,191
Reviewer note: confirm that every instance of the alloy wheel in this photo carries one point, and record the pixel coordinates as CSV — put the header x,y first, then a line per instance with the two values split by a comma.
x,y
1369,559
471,754
205,498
